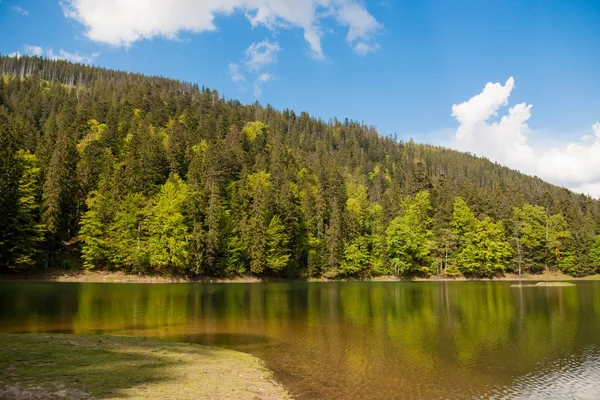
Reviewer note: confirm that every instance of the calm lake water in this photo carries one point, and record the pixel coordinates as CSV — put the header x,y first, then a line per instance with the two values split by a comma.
x,y
422,340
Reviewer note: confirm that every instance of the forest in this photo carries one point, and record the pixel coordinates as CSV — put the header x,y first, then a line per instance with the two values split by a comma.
x,y
118,171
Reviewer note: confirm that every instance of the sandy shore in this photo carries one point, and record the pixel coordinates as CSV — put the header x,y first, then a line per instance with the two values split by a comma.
x,y
120,277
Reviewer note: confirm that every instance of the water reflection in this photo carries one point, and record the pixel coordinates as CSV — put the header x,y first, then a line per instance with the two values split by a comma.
x,y
352,340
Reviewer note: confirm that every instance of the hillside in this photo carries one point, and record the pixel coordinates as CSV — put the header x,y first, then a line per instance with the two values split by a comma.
x,y
152,175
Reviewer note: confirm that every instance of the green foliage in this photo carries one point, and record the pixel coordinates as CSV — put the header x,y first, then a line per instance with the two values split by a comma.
x,y
168,234
559,242
27,230
595,253
356,257
261,178
485,251
127,239
277,254
93,232
409,236
253,129
531,234
463,219
234,256
96,130
159,176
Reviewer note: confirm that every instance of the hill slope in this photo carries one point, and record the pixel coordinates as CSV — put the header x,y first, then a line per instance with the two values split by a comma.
x,y
147,174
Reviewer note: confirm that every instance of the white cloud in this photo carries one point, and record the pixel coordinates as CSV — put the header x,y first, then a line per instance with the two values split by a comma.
x,y
234,71
361,28
260,55
262,78
123,22
19,10
14,54
33,50
60,55
574,165
73,57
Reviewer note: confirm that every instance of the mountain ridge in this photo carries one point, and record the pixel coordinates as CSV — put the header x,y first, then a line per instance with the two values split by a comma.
x,y
91,146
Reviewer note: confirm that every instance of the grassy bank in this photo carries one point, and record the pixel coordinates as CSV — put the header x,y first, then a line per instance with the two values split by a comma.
x,y
116,277
49,366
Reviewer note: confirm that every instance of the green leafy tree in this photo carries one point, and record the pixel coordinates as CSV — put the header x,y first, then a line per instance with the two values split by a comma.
x,y
20,248
277,254
531,236
93,231
356,257
485,252
127,242
333,238
168,233
483,249
560,248
409,236
377,239
595,253
212,230
463,220
255,231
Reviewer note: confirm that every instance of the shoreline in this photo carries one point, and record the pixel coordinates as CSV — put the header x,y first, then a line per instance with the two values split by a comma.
x,y
104,366
120,277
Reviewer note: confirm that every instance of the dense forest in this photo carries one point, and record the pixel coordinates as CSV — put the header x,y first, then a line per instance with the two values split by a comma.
x,y
149,175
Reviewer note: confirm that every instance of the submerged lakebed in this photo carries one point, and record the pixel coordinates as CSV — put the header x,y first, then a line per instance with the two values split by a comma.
x,y
352,340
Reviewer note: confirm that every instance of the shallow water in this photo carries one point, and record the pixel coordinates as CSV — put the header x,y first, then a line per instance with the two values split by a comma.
x,y
422,340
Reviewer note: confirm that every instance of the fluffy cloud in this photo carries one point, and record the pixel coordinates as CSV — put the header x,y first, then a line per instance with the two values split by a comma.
x,y
33,50
73,57
262,78
236,74
258,56
574,165
122,22
60,55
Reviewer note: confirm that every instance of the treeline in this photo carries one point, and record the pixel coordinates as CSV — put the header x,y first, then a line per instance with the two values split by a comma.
x,y
151,175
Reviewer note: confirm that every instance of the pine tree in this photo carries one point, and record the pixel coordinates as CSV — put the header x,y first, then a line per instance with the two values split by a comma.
x,y
595,253
28,231
254,233
212,236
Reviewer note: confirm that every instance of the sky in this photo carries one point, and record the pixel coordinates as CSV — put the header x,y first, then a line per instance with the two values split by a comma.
x,y
516,81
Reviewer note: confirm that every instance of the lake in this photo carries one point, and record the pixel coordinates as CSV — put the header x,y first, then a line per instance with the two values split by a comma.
x,y
352,340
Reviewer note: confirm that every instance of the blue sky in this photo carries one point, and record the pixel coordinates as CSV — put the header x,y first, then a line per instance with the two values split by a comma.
x,y
398,65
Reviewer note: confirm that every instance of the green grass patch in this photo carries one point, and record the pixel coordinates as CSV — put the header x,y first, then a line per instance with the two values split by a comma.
x,y
49,366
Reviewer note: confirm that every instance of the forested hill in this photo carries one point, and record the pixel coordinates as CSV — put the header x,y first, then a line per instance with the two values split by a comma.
x,y
152,175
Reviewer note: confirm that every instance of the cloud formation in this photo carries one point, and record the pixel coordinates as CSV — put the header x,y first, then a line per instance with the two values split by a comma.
x,y
236,74
123,22
258,82
20,10
258,56
574,165
52,55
